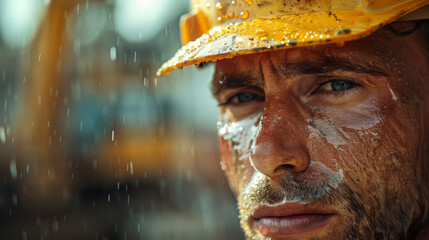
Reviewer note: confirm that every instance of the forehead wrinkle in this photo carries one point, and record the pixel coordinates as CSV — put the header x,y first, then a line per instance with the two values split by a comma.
x,y
313,60
329,65
323,59
360,60
375,68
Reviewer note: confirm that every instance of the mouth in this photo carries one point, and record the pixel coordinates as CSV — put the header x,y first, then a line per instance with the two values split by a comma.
x,y
291,219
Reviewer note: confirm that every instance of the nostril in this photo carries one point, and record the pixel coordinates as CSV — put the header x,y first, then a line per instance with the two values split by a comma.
x,y
284,167
294,164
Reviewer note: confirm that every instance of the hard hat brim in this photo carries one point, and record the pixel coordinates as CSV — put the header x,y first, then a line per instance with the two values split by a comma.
x,y
282,32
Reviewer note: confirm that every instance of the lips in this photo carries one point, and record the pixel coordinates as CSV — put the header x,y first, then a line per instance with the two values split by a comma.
x,y
291,219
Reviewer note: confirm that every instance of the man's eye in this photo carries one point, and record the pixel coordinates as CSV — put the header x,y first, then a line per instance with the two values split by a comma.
x,y
243,97
338,85
246,97
243,104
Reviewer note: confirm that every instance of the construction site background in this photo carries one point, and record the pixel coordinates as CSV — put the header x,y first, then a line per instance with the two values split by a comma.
x,y
93,145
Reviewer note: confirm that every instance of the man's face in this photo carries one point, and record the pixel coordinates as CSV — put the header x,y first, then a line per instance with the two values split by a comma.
x,y
328,142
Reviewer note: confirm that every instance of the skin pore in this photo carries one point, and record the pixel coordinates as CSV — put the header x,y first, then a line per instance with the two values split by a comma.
x,y
339,133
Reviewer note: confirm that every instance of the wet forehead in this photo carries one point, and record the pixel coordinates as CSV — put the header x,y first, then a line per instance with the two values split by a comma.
x,y
246,70
302,60
377,54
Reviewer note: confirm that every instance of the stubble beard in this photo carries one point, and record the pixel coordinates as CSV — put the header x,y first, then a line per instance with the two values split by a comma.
x,y
378,217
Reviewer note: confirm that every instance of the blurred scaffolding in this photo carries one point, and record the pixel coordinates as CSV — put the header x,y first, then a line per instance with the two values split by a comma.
x,y
92,145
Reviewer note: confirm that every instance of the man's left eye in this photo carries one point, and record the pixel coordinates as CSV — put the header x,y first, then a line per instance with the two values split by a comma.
x,y
338,85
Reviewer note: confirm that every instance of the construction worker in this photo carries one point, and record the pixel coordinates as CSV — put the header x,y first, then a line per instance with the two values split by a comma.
x,y
324,113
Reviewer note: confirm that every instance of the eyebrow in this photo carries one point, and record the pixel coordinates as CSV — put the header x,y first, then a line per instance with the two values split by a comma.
x,y
288,69
332,65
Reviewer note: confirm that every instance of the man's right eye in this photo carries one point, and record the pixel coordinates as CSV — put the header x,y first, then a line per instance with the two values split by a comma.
x,y
243,104
243,97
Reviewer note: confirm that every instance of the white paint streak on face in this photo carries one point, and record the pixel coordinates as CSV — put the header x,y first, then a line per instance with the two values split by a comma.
x,y
323,178
334,179
337,135
229,131
394,98
326,130
321,175
241,133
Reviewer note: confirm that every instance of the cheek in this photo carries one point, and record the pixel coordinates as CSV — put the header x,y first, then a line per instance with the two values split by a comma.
x,y
235,139
380,161
398,153
364,115
228,164
359,140
236,165
336,131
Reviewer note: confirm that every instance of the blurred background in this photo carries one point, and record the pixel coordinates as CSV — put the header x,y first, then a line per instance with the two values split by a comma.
x,y
92,144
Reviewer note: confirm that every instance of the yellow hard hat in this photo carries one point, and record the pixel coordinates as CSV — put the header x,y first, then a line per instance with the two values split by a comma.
x,y
218,29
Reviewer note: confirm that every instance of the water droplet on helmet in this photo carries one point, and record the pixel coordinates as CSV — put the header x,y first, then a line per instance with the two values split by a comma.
x,y
244,15
249,2
219,6
234,3
208,5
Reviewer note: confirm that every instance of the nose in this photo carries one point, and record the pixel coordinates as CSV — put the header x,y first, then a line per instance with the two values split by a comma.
x,y
279,145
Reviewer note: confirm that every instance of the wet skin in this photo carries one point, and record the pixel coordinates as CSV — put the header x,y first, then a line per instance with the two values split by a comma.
x,y
328,142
